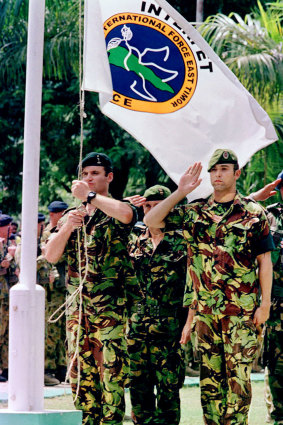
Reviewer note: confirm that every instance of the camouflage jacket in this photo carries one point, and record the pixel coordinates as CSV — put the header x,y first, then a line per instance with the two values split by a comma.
x,y
275,217
8,274
161,272
110,281
43,268
222,251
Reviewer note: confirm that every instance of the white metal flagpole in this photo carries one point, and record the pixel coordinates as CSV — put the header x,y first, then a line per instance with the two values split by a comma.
x,y
26,331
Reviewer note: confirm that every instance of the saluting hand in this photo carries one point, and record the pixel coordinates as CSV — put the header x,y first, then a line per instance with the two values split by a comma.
x,y
80,190
136,200
266,192
190,180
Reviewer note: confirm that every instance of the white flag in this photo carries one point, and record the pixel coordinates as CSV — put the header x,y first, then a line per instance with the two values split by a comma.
x,y
161,82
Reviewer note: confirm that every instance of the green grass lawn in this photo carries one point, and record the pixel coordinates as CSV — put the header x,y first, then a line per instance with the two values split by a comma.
x,y
191,408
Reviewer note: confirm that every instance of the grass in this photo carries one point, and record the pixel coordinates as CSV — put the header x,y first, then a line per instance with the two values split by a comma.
x,y
191,408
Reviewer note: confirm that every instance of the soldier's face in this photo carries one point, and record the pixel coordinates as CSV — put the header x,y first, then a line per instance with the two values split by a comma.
x,y
223,177
4,231
55,216
149,205
94,176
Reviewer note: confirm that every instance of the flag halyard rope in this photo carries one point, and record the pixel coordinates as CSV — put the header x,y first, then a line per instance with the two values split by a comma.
x,y
79,291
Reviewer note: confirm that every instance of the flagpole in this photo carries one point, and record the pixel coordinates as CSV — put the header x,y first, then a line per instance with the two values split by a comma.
x,y
27,309
26,331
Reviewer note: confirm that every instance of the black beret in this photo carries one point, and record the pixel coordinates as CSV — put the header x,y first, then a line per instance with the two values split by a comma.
x,y
97,158
5,220
41,217
57,206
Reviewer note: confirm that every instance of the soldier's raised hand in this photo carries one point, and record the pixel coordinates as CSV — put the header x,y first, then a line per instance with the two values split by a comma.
x,y
190,180
80,190
136,200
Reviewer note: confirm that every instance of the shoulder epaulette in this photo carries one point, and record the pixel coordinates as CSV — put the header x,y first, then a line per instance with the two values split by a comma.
x,y
68,210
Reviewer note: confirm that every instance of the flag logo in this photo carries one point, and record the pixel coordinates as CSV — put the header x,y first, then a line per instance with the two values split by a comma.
x,y
153,67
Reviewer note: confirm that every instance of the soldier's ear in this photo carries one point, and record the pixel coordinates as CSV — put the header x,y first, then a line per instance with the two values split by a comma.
x,y
110,177
237,174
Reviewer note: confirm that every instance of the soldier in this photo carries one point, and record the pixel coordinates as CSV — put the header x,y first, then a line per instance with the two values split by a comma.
x,y
8,278
273,340
156,356
44,277
56,210
55,352
228,239
94,239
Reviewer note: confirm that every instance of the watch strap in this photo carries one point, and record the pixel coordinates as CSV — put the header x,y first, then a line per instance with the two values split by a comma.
x,y
90,197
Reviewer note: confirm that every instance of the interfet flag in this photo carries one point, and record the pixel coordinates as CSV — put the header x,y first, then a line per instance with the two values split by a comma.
x,y
161,82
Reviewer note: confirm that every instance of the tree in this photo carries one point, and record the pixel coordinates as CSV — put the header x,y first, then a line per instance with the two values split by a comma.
x,y
252,49
135,168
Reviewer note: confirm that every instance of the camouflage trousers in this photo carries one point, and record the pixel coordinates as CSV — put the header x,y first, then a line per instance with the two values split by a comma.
x,y
274,349
100,372
55,333
4,323
227,346
157,373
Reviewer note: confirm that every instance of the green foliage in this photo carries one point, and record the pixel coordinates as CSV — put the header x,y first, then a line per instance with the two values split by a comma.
x,y
252,48
249,45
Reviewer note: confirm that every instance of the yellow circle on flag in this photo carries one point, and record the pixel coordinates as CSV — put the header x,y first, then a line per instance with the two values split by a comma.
x,y
144,85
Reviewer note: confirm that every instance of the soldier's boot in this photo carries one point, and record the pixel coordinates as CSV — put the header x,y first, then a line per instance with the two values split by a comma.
x,y
50,380
61,373
5,374
191,372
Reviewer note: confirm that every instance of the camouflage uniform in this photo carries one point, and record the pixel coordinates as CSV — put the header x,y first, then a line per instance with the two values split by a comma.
x,y
7,279
223,242
55,296
109,289
156,356
55,333
273,350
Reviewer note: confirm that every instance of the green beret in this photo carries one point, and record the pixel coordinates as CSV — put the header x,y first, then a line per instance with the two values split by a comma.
x,y
222,156
157,193
97,158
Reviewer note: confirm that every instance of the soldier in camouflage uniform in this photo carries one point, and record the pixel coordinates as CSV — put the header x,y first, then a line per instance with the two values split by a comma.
x,y
273,348
45,276
228,238
8,278
156,356
100,371
55,350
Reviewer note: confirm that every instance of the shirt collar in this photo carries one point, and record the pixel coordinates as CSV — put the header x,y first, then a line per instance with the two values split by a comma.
x,y
237,202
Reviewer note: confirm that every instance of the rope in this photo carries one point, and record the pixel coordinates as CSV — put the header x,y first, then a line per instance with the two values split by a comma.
x,y
79,290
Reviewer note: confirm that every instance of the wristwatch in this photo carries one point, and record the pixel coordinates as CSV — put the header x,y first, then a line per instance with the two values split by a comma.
x,y
90,197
